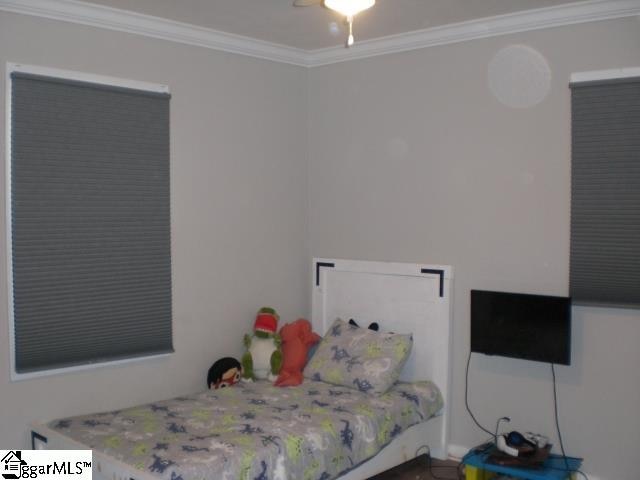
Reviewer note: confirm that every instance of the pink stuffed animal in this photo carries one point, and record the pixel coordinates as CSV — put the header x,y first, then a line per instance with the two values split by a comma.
x,y
297,338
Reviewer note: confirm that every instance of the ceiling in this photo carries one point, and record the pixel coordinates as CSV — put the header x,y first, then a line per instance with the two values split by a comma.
x,y
312,28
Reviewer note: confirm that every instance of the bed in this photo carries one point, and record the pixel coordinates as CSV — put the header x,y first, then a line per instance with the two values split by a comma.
x,y
318,430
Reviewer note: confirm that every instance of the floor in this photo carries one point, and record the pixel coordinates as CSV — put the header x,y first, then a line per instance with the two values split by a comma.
x,y
418,469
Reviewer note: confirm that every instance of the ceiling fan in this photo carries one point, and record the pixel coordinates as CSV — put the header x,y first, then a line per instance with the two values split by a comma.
x,y
348,8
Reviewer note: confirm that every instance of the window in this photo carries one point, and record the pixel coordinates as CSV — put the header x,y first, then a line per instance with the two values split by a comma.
x,y
605,192
89,223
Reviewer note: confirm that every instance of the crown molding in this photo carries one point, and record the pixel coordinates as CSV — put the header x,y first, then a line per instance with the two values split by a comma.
x,y
523,21
94,15
82,13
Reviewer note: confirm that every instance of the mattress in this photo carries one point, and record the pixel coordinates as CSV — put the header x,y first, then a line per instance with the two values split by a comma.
x,y
256,430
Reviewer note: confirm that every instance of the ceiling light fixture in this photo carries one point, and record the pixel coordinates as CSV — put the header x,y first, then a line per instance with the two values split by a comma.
x,y
349,8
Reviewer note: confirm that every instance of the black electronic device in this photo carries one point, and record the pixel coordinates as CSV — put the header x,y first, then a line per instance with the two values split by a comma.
x,y
518,325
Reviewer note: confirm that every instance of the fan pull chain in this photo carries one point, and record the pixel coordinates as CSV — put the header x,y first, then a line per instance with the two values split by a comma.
x,y
350,37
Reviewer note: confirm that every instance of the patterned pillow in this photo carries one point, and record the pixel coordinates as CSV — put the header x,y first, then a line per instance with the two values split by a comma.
x,y
359,358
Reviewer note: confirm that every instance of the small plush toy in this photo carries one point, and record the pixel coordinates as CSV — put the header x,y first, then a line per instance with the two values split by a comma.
x,y
224,373
263,357
372,326
297,338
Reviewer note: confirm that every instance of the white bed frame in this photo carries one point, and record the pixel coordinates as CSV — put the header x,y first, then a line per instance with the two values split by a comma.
x,y
401,297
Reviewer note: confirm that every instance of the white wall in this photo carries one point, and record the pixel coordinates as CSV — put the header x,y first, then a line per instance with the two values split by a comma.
x,y
413,159
239,209
410,159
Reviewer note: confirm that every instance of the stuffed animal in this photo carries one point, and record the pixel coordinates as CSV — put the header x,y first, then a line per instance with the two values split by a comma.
x,y
297,338
224,373
372,326
263,357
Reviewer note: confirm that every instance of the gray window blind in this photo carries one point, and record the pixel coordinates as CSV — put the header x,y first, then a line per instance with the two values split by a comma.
x,y
605,193
90,225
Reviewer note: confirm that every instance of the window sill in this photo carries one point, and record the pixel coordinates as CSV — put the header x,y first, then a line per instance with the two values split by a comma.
x,y
18,377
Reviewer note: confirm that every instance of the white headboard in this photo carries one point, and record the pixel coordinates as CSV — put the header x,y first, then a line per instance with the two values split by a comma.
x,y
401,298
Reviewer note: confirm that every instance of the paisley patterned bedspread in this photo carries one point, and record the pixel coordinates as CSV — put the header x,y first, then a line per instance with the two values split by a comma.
x,y
256,431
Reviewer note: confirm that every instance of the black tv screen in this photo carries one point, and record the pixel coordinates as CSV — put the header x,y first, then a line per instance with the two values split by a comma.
x,y
518,325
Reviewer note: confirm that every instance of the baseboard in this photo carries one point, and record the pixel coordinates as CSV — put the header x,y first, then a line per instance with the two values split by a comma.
x,y
456,452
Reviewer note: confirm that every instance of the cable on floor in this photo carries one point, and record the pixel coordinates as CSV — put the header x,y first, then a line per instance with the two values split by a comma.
x,y
431,466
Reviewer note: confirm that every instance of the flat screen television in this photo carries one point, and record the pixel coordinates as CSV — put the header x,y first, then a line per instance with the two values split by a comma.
x,y
518,325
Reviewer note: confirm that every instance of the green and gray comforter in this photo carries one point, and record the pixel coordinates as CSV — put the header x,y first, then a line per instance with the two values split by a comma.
x,y
256,431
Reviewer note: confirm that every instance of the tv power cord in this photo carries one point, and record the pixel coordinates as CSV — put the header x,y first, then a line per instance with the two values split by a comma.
x,y
555,409
466,401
